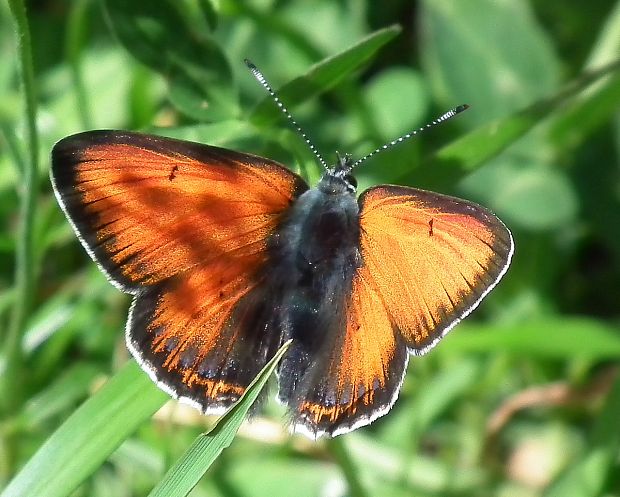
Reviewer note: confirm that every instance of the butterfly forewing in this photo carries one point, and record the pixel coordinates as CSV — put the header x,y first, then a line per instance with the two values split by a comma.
x,y
185,228
430,257
150,207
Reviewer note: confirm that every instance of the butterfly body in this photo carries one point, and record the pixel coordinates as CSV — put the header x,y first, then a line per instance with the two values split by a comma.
x,y
315,254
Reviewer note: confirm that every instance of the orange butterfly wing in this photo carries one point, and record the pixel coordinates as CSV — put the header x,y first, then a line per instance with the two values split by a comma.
x,y
184,227
427,260
431,257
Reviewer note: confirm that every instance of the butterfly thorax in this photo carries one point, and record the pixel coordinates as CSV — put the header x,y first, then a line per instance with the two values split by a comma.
x,y
316,247
321,231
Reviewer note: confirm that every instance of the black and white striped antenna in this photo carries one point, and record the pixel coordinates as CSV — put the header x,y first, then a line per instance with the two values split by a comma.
x,y
344,166
444,117
261,79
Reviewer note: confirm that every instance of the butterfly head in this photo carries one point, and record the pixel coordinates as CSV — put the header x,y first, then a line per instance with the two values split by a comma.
x,y
338,179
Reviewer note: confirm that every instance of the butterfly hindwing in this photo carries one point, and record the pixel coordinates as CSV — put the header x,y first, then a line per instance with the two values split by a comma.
x,y
356,376
200,346
184,227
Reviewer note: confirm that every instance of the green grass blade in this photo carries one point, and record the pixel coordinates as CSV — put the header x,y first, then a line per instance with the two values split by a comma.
x,y
11,379
564,338
188,470
323,75
89,436
607,45
575,123
467,153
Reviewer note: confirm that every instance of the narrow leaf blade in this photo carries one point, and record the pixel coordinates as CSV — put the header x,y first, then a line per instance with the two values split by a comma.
x,y
323,75
89,436
188,470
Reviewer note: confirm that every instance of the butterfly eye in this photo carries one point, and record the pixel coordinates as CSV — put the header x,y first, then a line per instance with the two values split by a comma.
x,y
350,179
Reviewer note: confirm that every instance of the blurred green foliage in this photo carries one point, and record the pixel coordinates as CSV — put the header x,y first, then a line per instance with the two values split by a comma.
x,y
540,146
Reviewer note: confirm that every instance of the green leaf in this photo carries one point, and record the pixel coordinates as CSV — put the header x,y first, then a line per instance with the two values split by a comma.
x,y
188,470
323,76
467,153
89,436
59,395
158,35
533,196
98,67
498,76
255,474
560,338
526,190
384,97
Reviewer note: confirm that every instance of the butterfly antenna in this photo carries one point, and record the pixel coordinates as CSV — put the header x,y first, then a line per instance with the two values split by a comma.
x,y
261,79
444,117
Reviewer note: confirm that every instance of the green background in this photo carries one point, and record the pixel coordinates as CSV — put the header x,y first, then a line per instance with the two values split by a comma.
x,y
523,399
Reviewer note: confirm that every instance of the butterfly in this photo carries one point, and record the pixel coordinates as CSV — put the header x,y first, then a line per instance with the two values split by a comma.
x,y
228,255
